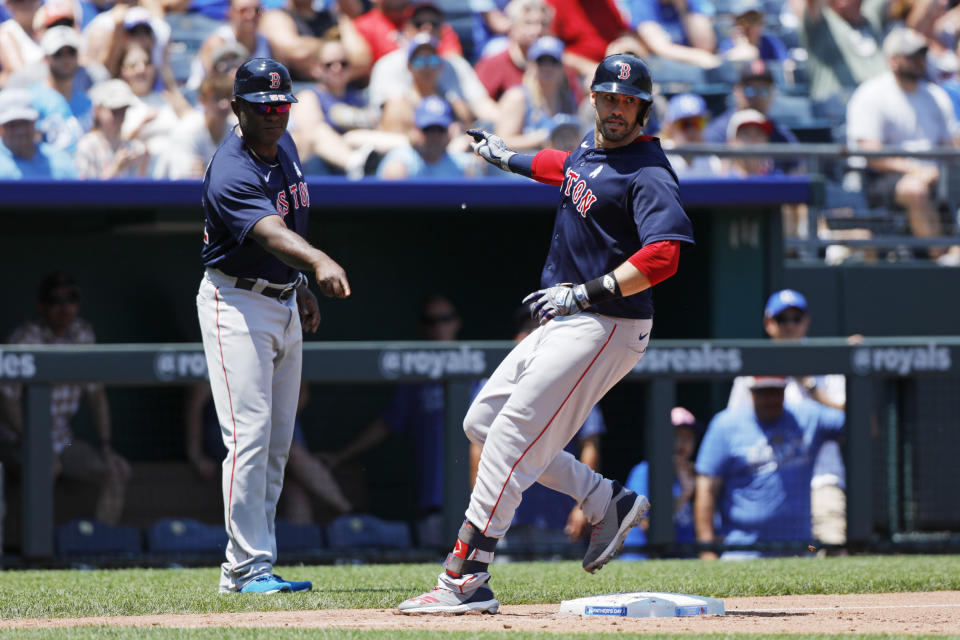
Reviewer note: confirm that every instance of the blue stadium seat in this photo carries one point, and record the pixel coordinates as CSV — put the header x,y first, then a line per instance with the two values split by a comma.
x,y
666,71
791,110
92,537
363,531
184,534
188,30
298,537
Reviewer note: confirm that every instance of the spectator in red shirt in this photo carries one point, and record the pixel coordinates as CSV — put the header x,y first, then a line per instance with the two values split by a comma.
x,y
529,20
382,27
586,27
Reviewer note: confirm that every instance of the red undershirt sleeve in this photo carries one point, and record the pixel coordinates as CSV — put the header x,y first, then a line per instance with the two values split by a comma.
x,y
658,260
548,166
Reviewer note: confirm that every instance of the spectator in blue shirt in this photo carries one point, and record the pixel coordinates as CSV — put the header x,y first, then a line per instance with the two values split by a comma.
x,y
427,155
686,429
680,30
747,38
755,89
21,156
755,466
64,75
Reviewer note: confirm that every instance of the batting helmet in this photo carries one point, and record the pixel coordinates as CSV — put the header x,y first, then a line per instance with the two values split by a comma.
x,y
263,80
623,73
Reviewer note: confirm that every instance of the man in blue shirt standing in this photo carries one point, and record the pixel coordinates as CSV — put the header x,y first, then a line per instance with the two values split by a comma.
x,y
253,305
754,467
21,156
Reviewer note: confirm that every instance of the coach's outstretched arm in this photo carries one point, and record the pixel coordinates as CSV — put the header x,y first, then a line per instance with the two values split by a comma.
x,y
273,235
652,264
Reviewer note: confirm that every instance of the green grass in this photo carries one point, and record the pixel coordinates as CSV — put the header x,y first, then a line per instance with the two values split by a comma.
x,y
76,593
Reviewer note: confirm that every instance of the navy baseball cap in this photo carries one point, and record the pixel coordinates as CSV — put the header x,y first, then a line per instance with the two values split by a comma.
x,y
433,111
545,46
685,105
783,300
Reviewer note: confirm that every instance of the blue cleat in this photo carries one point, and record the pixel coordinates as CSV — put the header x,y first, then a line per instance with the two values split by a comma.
x,y
297,585
267,583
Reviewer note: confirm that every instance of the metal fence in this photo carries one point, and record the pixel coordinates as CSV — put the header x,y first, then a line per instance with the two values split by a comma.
x,y
830,164
666,363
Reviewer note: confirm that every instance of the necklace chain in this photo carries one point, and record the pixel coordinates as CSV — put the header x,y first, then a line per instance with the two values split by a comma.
x,y
257,156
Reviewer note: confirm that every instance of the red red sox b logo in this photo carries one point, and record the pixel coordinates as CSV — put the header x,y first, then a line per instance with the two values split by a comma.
x,y
274,80
624,70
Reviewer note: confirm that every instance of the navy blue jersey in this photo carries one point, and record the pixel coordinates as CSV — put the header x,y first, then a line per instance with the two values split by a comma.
x,y
238,191
613,202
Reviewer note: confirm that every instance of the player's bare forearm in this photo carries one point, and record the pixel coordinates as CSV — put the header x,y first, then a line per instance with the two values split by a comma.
x,y
274,236
100,411
11,412
703,507
631,279
590,452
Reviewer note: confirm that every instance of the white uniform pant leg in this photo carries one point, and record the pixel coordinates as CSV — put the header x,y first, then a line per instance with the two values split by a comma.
x,y
241,334
286,390
565,473
569,364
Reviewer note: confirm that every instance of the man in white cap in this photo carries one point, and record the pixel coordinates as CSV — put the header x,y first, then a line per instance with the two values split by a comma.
x,y
58,89
21,156
755,465
61,49
901,108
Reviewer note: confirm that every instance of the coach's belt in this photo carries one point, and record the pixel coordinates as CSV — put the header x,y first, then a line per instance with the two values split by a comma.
x,y
280,293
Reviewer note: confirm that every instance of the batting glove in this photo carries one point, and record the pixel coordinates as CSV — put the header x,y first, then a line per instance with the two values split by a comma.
x,y
491,148
563,299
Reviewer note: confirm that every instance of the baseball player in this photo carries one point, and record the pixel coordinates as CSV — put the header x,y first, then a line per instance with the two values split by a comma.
x,y
253,304
618,231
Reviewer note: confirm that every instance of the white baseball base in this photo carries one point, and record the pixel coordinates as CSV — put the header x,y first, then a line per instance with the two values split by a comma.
x,y
644,605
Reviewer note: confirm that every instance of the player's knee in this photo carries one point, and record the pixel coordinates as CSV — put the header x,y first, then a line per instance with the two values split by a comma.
x,y
475,431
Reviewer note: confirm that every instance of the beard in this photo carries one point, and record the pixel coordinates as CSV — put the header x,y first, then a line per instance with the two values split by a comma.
x,y
617,136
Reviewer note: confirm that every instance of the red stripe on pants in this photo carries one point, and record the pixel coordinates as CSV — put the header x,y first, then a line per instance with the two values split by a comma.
x,y
503,488
233,466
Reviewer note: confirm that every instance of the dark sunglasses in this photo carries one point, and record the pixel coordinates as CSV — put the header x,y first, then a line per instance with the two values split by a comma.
x,y
140,30
421,22
697,122
547,61
768,391
65,51
757,92
263,109
439,318
789,318
67,297
422,62
333,63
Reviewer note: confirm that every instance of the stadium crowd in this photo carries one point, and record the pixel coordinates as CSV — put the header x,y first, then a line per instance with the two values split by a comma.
x,y
94,89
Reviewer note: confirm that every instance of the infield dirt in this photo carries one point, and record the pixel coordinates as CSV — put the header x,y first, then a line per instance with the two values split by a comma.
x,y
929,613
